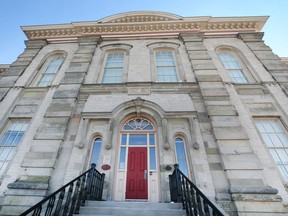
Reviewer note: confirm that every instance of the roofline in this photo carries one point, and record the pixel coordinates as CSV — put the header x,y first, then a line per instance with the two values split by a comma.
x,y
143,22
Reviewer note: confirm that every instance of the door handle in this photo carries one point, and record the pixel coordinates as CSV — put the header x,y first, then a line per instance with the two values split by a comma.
x,y
145,174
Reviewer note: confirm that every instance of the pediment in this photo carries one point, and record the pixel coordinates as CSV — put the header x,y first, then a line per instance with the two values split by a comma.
x,y
142,16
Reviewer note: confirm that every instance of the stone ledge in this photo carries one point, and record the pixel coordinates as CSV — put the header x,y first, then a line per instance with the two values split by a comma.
x,y
28,185
256,197
253,190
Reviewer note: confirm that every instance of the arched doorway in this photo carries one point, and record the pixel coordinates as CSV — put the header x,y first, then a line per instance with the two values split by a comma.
x,y
137,174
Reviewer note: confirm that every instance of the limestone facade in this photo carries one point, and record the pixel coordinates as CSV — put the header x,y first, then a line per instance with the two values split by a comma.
x,y
215,115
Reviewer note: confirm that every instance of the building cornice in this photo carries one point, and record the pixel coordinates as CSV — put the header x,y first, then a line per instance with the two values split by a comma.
x,y
147,23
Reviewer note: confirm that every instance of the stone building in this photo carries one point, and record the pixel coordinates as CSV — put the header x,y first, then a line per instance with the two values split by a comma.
x,y
204,92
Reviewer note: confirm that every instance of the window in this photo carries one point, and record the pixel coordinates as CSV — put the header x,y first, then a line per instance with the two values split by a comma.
x,y
113,71
181,155
49,70
233,67
138,132
275,137
165,66
96,151
9,141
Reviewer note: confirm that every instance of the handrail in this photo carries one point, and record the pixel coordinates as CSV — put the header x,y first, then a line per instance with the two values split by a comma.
x,y
89,185
193,200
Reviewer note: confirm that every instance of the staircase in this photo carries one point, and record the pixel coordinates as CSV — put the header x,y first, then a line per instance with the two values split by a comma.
x,y
88,186
102,208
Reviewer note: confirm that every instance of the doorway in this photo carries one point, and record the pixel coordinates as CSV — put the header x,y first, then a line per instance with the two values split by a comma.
x,y
137,175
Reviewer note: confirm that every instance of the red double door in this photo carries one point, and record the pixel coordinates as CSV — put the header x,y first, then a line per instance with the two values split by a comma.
x,y
137,173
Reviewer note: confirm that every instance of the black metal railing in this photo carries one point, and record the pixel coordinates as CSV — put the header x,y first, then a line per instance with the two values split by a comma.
x,y
68,199
193,200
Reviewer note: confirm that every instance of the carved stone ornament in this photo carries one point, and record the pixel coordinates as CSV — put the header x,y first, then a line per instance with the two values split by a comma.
x,y
144,23
108,146
167,146
138,103
196,145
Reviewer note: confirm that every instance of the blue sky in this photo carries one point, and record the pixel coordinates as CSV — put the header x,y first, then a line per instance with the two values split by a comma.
x,y
16,13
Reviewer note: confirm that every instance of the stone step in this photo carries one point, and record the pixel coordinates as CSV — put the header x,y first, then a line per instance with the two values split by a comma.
x,y
131,209
137,204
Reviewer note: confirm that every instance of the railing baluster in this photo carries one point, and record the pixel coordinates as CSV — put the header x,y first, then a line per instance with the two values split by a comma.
x,y
184,195
68,199
37,211
193,200
59,203
193,196
75,197
50,206
206,208
189,204
80,195
88,185
101,186
199,204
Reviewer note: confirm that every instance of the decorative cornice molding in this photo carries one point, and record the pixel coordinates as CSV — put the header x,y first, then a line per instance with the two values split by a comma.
x,y
145,23
4,68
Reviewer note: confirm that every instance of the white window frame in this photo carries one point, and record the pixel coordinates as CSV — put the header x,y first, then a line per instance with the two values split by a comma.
x,y
113,52
4,147
171,47
167,66
110,48
142,131
42,71
276,142
239,66
186,156
99,153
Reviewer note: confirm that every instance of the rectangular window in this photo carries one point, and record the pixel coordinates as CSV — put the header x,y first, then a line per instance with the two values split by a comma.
x,y
113,71
152,157
275,137
166,68
9,141
137,139
122,158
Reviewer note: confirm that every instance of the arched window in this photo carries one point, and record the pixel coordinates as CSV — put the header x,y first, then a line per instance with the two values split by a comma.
x,y
233,66
49,70
181,155
95,155
138,132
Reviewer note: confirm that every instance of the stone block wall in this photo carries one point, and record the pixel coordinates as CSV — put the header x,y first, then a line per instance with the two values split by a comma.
x,y
239,164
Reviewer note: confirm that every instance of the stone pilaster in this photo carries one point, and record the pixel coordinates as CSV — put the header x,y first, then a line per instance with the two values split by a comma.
x,y
47,143
272,63
222,120
16,69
